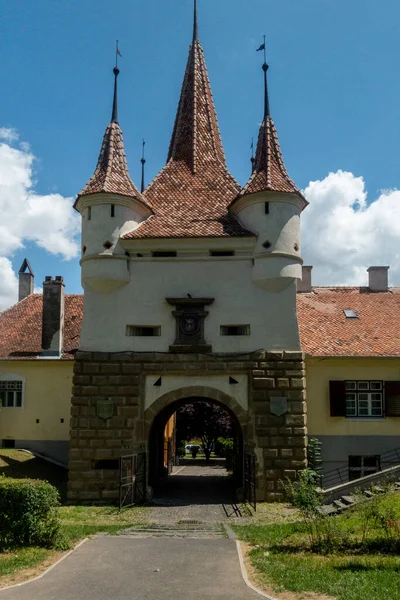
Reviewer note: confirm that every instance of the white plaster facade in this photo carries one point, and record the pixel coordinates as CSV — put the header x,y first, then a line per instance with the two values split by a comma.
x,y
126,285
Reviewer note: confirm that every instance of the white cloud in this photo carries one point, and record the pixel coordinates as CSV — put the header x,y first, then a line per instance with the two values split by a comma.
x,y
7,134
9,284
343,235
46,220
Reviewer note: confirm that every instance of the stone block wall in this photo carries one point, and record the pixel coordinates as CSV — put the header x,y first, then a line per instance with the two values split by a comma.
x,y
278,442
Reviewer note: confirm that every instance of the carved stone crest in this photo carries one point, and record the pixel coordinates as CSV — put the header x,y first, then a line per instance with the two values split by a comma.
x,y
278,405
189,324
105,409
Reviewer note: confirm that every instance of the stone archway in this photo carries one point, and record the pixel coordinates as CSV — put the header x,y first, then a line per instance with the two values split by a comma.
x,y
196,392
192,482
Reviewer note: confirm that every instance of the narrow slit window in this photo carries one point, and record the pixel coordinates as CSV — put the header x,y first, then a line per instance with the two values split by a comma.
x,y
106,464
89,213
143,330
164,254
222,253
113,210
266,208
235,329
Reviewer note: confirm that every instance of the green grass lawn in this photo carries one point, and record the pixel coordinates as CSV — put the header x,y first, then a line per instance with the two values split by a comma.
x,y
77,522
283,560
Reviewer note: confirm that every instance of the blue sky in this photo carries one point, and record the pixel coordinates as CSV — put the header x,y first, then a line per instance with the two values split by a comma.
x,y
334,87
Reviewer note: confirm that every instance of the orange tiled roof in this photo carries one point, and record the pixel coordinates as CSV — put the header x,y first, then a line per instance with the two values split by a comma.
x,y
21,327
324,329
191,193
111,174
269,169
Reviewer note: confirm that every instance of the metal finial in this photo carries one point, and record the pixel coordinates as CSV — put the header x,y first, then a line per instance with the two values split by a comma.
x,y
114,116
143,161
265,68
252,159
195,24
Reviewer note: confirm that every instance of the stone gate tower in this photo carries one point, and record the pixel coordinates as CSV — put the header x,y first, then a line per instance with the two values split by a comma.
x,y
189,292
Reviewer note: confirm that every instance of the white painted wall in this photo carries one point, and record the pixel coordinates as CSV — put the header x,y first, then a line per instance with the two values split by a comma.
x,y
169,383
238,301
256,287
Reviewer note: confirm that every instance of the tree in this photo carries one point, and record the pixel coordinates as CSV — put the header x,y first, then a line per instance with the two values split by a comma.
x,y
205,420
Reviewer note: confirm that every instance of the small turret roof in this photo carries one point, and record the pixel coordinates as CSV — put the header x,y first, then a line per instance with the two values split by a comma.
x,y
269,172
111,174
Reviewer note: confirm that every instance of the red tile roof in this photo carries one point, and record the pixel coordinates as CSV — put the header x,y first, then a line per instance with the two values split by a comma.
x,y
269,169
21,327
191,194
111,174
325,330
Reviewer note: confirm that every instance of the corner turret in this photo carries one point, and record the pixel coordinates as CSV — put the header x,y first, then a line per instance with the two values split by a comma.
x,y
110,205
270,205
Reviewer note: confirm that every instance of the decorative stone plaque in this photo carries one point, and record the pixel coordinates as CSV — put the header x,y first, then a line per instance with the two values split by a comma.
x,y
190,315
105,409
278,405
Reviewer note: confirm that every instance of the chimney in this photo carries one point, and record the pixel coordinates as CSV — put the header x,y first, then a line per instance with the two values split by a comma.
x,y
304,284
378,279
53,316
25,280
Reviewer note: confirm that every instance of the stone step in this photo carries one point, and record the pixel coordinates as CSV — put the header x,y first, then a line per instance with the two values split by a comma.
x,y
348,500
328,509
340,505
179,530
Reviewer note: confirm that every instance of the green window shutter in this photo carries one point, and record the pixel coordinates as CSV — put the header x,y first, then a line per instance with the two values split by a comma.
x,y
337,397
392,398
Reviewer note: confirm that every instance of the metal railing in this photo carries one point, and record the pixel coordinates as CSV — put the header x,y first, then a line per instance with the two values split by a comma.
x,y
335,477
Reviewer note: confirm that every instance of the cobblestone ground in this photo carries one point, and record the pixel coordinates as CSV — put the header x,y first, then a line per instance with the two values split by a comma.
x,y
193,493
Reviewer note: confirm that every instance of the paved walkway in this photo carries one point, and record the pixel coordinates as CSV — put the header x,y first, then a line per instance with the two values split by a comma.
x,y
123,568
202,493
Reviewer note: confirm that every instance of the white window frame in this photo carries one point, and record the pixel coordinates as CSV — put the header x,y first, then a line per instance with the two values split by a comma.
x,y
16,379
364,399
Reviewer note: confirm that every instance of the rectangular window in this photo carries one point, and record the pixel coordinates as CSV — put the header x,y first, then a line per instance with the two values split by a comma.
x,y
360,466
162,254
222,253
89,213
143,330
113,210
364,399
266,208
11,394
235,329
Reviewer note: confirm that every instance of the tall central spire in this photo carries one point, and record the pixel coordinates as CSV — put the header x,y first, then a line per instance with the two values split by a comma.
x,y
196,139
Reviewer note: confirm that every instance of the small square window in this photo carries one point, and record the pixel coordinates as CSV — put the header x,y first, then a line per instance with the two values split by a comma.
x,y
351,385
350,314
375,385
363,385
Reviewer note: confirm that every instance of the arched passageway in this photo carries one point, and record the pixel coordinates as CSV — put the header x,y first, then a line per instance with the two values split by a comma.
x,y
197,481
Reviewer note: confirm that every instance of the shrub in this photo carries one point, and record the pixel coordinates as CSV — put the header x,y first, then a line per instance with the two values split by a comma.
x,y
224,446
28,513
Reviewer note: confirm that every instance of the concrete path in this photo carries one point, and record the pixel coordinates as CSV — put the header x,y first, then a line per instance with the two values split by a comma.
x,y
123,568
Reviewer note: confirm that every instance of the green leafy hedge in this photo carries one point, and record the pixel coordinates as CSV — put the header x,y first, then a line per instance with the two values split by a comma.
x,y
28,515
